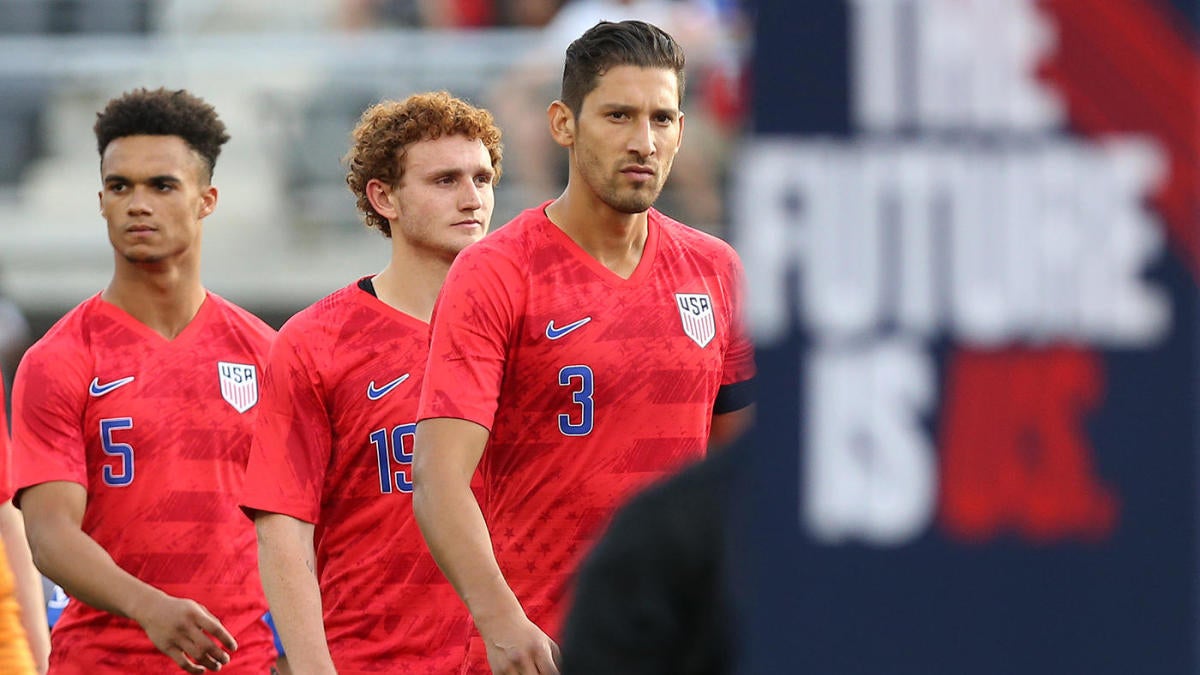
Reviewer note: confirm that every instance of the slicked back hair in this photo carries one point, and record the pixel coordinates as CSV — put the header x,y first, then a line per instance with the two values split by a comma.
x,y
163,112
386,130
607,45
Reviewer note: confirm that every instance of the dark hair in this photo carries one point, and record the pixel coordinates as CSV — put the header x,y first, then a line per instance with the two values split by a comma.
x,y
160,112
386,129
608,44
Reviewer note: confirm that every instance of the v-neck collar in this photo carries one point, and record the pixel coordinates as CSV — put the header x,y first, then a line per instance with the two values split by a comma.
x,y
369,299
645,264
149,334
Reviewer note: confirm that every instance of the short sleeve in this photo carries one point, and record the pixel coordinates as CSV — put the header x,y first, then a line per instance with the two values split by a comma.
x,y
292,435
470,331
49,393
738,369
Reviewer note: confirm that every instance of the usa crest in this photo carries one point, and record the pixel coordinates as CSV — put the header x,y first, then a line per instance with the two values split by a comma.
x,y
239,385
696,313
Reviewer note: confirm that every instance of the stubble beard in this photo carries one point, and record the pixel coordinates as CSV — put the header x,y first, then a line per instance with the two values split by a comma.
x,y
630,200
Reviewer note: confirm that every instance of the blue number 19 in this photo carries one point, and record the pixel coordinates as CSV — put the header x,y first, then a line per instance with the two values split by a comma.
x,y
580,378
386,453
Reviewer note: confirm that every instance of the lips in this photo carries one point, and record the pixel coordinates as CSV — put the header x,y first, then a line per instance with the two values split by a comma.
x,y
638,169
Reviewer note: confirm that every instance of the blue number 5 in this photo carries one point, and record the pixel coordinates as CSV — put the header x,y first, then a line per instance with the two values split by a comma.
x,y
123,451
579,377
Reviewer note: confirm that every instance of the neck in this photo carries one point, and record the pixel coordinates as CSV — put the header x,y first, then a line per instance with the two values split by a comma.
x,y
411,281
615,239
163,297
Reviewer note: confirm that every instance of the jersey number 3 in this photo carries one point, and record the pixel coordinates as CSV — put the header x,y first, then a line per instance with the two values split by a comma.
x,y
119,473
579,378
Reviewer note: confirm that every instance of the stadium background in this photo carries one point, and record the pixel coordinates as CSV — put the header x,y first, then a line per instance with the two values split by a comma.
x,y
969,228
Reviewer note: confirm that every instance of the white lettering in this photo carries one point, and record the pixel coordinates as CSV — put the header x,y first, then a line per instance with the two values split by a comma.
x,y
869,472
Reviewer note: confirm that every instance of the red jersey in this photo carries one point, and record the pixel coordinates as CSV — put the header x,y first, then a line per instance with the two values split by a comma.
x,y
592,385
333,447
158,431
14,648
6,487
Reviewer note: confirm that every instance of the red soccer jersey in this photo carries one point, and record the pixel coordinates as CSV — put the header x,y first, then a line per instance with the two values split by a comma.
x,y
158,431
6,487
333,447
592,385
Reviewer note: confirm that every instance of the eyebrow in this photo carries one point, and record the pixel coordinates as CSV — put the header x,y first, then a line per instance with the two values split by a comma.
x,y
456,172
163,178
625,108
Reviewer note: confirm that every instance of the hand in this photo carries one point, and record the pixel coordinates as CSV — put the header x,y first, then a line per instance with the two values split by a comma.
x,y
520,648
184,630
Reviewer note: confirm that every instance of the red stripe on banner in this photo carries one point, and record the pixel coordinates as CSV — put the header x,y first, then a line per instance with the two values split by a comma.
x,y
1126,66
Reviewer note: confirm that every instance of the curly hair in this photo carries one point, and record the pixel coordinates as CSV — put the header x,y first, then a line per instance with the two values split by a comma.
x,y
161,112
387,129
607,45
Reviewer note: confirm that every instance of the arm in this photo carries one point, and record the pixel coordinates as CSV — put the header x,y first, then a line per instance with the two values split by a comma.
x,y
445,455
287,564
727,427
180,628
28,585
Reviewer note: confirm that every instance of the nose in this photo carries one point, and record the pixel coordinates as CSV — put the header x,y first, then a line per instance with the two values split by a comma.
x,y
641,140
471,197
139,202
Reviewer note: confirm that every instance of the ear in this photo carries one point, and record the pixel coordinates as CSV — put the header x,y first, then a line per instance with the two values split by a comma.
x,y
679,140
562,124
208,201
379,194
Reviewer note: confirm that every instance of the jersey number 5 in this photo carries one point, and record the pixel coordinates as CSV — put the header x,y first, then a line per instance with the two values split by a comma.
x,y
390,448
579,378
120,473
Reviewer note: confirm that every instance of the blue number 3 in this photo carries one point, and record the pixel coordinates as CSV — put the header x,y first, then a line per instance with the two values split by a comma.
x,y
123,451
579,377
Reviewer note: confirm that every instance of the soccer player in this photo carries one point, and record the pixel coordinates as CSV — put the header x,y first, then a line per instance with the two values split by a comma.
x,y
329,479
24,643
591,345
132,420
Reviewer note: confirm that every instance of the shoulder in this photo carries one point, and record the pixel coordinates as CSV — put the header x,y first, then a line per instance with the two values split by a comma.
x,y
322,314
674,234
511,240
69,336
242,319
63,358
506,252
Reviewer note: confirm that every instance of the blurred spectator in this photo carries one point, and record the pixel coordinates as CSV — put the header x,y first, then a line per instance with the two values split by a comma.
x,y
709,34
653,596
15,337
370,14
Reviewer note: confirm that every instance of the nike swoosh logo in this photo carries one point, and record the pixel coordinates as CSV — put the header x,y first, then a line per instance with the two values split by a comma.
x,y
555,333
376,394
97,389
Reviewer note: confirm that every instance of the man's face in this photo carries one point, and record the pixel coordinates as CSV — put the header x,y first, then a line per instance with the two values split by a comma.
x,y
445,199
153,197
627,133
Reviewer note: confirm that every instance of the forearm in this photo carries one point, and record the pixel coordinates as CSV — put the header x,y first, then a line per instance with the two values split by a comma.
x,y
287,565
74,560
28,584
457,536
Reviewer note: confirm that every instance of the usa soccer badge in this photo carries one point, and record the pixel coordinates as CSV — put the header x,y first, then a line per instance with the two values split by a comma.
x,y
696,313
239,385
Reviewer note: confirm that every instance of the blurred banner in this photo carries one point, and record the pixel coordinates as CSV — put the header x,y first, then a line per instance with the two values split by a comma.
x,y
970,229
